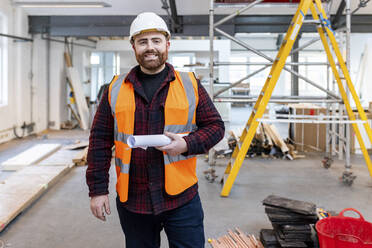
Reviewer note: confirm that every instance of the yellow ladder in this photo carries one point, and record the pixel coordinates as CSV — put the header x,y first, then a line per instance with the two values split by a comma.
x,y
324,30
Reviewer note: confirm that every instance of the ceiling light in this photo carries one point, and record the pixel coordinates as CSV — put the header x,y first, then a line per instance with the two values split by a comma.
x,y
61,4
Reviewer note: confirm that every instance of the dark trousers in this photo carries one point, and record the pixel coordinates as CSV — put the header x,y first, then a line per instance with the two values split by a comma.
x,y
183,226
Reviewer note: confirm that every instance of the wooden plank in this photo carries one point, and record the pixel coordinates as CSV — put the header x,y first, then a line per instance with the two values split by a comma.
x,y
81,102
266,135
22,188
31,156
275,136
76,116
61,157
81,157
301,207
77,145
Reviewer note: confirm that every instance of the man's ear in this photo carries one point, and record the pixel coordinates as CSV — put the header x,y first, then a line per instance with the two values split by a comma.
x,y
168,44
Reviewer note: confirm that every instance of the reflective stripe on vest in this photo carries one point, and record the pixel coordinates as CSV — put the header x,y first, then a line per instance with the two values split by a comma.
x,y
179,116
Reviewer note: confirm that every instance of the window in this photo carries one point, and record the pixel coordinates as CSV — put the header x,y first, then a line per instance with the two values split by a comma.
x,y
258,80
318,74
104,66
237,72
3,63
179,60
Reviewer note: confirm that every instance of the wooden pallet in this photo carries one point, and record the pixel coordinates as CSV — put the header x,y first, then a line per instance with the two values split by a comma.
x,y
31,156
23,187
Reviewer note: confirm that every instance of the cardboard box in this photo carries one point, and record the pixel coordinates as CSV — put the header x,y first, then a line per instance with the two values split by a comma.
x,y
354,144
312,136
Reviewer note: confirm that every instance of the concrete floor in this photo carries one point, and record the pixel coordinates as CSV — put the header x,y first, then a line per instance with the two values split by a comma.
x,y
61,217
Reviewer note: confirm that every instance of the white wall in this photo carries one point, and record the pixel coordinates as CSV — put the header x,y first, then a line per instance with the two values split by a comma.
x,y
27,78
17,69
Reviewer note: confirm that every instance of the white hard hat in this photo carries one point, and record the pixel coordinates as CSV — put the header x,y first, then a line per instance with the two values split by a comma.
x,y
147,22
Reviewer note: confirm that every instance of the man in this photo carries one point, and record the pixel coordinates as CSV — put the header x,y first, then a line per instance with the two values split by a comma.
x,y
157,187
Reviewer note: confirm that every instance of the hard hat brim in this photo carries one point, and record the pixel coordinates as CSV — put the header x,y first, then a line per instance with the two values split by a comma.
x,y
164,32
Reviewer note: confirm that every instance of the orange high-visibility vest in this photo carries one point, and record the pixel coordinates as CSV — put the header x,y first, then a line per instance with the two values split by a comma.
x,y
179,115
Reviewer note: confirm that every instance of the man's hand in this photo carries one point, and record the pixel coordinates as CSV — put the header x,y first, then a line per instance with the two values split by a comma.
x,y
97,203
176,147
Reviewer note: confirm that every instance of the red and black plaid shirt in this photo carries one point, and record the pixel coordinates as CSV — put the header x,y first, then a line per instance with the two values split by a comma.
x,y
146,193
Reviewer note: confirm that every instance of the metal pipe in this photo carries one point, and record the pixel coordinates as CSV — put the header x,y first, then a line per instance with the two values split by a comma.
x,y
275,50
31,75
239,81
72,43
236,13
348,64
243,44
236,100
341,132
312,83
211,50
308,116
16,37
309,121
281,97
310,42
48,83
295,59
359,6
263,63
211,160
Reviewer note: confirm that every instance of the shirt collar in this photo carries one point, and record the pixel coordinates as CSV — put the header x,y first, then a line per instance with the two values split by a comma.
x,y
132,75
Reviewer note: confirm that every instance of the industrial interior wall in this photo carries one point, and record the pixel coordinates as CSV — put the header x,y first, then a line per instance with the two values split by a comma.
x,y
25,69
16,71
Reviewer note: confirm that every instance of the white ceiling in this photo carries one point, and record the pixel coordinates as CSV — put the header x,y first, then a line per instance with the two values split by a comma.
x,y
184,7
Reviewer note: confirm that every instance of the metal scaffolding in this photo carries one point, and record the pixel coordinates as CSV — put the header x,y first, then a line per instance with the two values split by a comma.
x,y
337,129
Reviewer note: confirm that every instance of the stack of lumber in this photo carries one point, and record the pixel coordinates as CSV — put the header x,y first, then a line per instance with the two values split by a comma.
x,y
236,239
291,220
30,156
267,142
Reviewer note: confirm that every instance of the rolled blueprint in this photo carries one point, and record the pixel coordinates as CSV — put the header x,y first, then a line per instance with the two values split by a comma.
x,y
144,141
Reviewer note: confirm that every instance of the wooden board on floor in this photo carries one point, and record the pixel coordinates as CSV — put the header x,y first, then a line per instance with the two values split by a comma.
x,y
81,157
76,146
81,102
22,188
61,157
31,156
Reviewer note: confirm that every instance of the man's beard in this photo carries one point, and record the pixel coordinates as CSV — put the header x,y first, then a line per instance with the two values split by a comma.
x,y
154,63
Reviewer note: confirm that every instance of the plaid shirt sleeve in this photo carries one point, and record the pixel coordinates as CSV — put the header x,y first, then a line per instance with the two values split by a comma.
x,y
211,128
101,140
